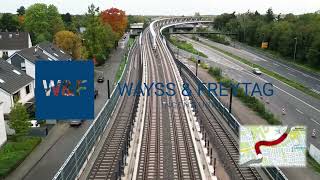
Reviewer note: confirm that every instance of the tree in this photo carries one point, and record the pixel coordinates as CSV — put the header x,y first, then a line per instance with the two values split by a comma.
x,y
43,22
19,119
269,16
21,11
117,20
69,42
98,38
9,22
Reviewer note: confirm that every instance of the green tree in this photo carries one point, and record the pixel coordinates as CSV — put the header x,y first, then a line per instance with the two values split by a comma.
x,y
43,22
19,119
269,15
21,11
99,37
9,22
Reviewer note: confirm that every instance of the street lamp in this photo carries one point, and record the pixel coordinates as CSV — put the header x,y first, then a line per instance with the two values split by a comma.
x,y
295,49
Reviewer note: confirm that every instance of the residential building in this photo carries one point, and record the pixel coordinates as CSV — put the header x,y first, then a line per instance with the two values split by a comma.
x,y
10,42
26,58
15,86
3,134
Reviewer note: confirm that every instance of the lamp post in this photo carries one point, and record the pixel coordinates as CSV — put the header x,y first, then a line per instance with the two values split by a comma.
x,y
197,63
295,49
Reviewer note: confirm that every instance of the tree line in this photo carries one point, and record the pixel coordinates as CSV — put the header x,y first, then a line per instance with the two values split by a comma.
x,y
44,23
282,32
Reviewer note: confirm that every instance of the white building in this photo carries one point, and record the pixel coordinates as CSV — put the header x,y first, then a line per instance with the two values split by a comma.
x,y
15,86
3,134
25,59
10,42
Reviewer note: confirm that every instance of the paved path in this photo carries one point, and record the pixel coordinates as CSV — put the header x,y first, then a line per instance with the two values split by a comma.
x,y
48,157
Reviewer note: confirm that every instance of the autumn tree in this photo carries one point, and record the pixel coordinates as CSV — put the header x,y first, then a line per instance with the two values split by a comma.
x,y
43,22
69,42
117,19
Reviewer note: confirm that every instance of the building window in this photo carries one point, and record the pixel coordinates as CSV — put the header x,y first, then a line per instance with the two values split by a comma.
x,y
28,89
16,96
23,66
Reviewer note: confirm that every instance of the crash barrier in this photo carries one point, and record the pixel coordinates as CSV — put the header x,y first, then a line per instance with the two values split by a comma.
x,y
78,158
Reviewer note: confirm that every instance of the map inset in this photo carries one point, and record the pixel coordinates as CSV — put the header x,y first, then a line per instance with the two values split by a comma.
x,y
281,146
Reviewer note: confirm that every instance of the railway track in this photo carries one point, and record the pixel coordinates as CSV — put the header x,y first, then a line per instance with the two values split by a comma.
x,y
219,135
167,149
109,162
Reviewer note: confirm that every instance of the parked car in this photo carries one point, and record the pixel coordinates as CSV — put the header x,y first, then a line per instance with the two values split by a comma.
x,y
76,123
100,79
96,92
256,71
34,123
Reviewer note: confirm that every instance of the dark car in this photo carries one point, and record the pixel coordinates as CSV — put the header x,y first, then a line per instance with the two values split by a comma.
x,y
100,79
76,123
96,92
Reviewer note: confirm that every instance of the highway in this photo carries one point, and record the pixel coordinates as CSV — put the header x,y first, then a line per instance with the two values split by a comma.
x,y
300,108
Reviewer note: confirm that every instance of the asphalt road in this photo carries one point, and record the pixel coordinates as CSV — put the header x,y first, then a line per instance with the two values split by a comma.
x,y
55,157
300,109
308,79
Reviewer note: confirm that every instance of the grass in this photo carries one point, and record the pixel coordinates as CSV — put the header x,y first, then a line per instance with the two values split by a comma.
x,y
12,153
285,80
202,64
313,163
123,61
186,46
250,101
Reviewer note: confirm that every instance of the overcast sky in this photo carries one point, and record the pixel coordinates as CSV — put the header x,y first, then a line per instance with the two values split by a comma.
x,y
173,7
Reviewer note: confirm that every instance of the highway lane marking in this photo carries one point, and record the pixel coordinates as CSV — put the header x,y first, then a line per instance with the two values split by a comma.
x,y
292,74
275,64
299,111
315,121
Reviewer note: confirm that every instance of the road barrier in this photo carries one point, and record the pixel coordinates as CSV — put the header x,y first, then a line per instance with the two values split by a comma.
x,y
78,158
273,172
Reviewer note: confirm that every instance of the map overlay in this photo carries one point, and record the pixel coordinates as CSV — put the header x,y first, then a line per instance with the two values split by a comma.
x,y
282,146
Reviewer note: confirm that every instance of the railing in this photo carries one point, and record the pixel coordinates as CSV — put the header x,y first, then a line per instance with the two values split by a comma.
x,y
78,158
273,172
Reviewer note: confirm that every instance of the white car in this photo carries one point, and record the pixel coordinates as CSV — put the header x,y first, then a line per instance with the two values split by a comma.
x,y
34,123
256,71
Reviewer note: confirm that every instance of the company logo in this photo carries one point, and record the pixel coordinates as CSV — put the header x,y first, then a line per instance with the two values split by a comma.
x,y
64,90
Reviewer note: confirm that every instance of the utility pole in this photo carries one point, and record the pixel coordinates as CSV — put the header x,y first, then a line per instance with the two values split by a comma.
x,y
295,49
230,101
198,62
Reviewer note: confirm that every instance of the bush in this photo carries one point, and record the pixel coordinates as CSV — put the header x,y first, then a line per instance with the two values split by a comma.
x,y
186,46
100,59
215,72
14,152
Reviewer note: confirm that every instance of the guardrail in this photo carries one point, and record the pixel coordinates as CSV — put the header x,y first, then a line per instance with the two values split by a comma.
x,y
78,158
273,172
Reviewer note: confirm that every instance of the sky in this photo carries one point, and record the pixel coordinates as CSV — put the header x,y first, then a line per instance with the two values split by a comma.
x,y
173,7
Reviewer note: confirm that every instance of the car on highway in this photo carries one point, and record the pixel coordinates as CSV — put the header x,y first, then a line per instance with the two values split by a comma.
x,y
256,71
76,123
96,92
100,79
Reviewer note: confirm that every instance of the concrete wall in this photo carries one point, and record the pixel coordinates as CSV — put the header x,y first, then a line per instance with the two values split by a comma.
x,y
3,134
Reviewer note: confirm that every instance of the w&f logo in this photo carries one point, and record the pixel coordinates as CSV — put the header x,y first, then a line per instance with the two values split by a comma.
x,y
64,90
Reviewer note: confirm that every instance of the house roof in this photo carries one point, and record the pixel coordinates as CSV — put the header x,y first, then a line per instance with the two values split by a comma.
x,y
32,54
14,40
54,51
11,78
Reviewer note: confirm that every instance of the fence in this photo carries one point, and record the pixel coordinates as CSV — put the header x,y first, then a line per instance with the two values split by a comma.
x,y
273,172
80,155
